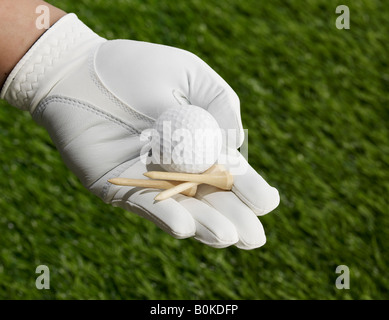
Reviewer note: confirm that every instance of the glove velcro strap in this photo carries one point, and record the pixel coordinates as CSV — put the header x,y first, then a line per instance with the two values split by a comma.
x,y
47,61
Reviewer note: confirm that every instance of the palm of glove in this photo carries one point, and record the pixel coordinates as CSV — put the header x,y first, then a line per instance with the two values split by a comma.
x,y
95,116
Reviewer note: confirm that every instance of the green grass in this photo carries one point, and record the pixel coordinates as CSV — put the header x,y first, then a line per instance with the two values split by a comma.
x,y
315,102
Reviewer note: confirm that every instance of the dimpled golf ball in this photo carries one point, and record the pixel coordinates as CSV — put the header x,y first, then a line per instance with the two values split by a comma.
x,y
186,139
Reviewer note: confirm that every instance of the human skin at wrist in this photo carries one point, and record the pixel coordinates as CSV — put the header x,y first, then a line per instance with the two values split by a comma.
x,y
19,31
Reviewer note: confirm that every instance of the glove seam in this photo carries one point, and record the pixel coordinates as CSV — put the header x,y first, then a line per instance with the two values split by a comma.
x,y
83,105
112,97
37,115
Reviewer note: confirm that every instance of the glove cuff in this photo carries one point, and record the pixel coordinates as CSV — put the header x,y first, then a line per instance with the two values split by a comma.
x,y
47,61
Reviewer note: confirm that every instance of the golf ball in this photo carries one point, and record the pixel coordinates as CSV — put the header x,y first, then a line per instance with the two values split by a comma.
x,y
186,139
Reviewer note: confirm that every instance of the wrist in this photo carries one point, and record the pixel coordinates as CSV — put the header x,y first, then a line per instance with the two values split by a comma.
x,y
47,61
19,30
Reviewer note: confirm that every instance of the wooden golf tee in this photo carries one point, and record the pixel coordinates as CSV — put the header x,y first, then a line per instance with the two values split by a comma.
x,y
157,184
180,188
221,180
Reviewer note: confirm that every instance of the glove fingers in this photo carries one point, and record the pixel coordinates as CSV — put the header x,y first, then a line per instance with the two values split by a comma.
x,y
256,193
212,227
249,228
250,187
168,215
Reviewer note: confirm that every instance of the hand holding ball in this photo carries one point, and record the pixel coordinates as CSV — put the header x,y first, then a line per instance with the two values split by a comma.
x,y
186,141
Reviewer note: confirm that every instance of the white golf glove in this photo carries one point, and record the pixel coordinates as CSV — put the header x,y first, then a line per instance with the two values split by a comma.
x,y
96,96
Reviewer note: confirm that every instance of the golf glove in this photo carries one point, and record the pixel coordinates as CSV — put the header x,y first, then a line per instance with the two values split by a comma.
x,y
95,97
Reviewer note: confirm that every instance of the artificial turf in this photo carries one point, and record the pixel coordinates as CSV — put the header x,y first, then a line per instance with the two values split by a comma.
x,y
315,102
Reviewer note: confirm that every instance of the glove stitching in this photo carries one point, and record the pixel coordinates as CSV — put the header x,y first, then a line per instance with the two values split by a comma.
x,y
50,48
85,106
52,57
126,108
